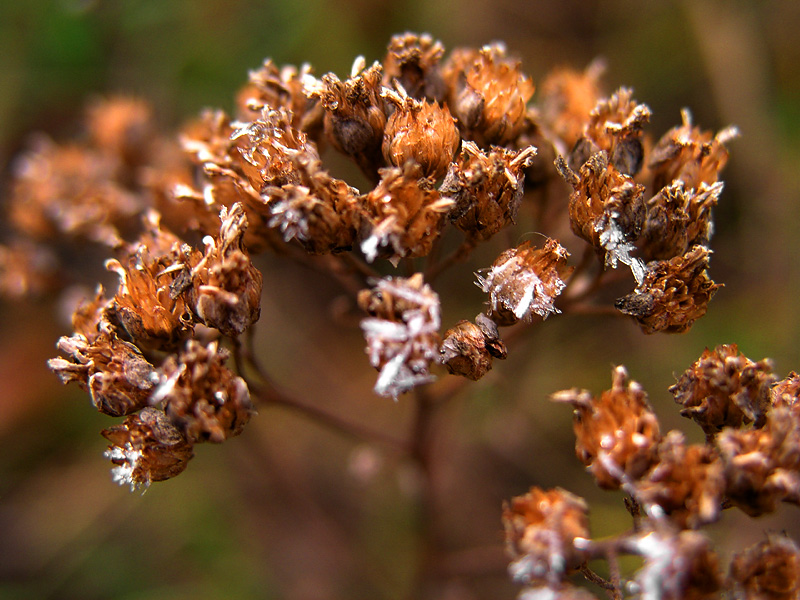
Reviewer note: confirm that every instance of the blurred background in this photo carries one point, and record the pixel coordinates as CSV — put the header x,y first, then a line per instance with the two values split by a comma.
x,y
294,510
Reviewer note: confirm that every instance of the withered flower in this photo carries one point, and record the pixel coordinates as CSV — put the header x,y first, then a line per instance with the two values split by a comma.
x,y
402,332
201,396
468,348
677,566
420,132
486,187
762,466
787,392
488,94
123,127
146,448
413,61
402,216
119,379
524,281
769,570
689,154
687,482
27,269
544,530
354,113
673,294
606,209
724,388
617,434
679,218
225,288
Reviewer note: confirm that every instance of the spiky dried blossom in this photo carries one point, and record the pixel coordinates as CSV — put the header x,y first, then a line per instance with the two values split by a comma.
x,y
413,61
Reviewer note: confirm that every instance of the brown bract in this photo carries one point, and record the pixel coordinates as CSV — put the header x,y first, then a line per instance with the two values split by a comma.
x,y
673,294
617,433
146,448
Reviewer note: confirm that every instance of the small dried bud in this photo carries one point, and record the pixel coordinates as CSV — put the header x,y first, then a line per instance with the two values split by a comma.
x,y
146,448
673,293
678,219
617,434
688,154
524,281
420,132
403,215
606,209
678,566
226,287
468,348
687,482
487,188
116,374
542,532
413,62
488,94
762,466
769,570
402,332
724,388
201,396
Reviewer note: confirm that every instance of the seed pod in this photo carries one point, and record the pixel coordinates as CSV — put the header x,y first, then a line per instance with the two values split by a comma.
x,y
468,348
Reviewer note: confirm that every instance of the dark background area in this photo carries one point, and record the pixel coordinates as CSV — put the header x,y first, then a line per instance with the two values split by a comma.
x,y
292,510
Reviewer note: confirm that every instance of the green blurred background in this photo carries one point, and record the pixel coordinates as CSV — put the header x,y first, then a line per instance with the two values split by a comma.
x,y
291,510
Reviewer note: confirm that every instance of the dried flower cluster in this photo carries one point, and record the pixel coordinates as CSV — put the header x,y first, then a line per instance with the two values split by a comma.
x,y
750,461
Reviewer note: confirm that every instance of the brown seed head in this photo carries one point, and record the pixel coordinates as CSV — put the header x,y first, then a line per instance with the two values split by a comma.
x,y
769,570
468,348
123,127
617,434
413,61
787,392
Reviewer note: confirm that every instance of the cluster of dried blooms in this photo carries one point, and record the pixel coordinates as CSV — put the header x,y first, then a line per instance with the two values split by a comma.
x,y
456,150
750,461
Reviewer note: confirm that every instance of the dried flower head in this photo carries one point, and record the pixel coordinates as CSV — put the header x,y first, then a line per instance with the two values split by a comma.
x,y
226,287
544,530
123,127
402,332
402,216
487,188
769,570
617,434
270,87
418,131
146,448
468,348
413,61
724,388
524,281
114,372
673,294
201,396
27,269
488,94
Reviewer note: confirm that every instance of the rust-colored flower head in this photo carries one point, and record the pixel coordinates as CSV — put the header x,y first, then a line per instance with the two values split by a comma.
x,y
769,570
762,466
679,218
486,187
524,281
114,372
88,318
123,127
468,348
677,566
201,396
724,388
544,530
402,216
225,288
402,332
488,94
27,269
419,132
567,98
614,126
673,294
617,433
355,116
787,392
413,61
687,482
689,154
146,448
606,209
